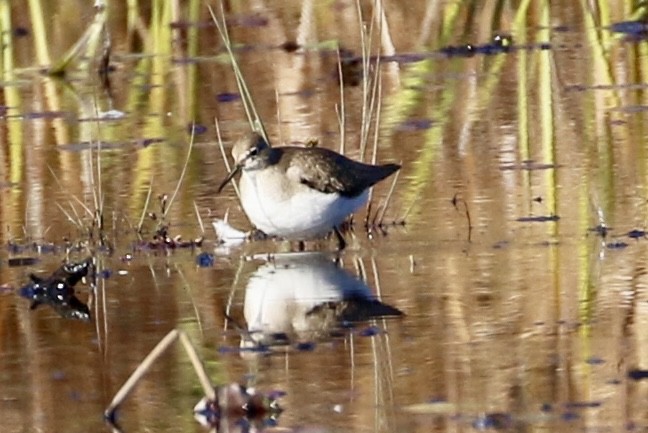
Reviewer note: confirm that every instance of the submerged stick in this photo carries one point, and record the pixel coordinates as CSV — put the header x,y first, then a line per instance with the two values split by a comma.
x,y
455,200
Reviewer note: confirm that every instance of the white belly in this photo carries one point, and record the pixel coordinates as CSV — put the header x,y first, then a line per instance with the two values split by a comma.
x,y
307,213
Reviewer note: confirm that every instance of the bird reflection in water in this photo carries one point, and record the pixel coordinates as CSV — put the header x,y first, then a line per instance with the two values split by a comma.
x,y
300,298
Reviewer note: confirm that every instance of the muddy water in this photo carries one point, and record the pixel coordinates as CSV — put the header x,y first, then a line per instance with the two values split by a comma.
x,y
517,315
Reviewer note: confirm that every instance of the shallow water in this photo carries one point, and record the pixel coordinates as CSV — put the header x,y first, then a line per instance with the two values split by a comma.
x,y
527,320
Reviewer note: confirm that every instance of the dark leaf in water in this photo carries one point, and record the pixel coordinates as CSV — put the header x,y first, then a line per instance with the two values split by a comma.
x,y
45,115
227,97
276,394
569,416
636,234
495,421
467,50
290,46
370,331
582,404
20,32
546,407
616,245
538,219
593,360
205,260
197,129
629,27
278,338
601,230
638,374
305,346
415,125
146,142
22,261
404,58
105,274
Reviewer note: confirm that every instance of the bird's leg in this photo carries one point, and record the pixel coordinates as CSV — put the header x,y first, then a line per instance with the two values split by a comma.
x,y
341,242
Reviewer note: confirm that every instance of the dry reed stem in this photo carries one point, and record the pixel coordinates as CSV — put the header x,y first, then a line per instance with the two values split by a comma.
x,y
148,361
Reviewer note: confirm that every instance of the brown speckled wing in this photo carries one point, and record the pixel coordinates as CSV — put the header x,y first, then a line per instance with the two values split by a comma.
x,y
330,172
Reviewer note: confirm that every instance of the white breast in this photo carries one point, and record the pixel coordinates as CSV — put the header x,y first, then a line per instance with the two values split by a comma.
x,y
291,210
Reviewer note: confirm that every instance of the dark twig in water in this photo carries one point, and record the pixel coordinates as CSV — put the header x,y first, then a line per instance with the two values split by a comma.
x,y
145,207
455,202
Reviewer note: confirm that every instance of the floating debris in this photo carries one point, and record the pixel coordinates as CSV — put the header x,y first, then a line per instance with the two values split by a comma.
x,y
227,234
231,404
370,331
582,404
238,403
196,129
163,241
305,346
289,46
638,374
227,97
601,230
205,260
15,262
500,43
636,234
632,28
495,421
412,125
616,245
538,219
529,165
57,290
594,360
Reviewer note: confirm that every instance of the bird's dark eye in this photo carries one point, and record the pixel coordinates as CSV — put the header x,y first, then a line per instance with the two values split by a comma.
x,y
253,151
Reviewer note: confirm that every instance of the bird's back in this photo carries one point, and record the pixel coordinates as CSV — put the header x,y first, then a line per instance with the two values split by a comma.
x,y
329,171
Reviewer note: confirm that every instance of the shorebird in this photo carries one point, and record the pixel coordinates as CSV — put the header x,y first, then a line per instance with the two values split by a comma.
x,y
300,193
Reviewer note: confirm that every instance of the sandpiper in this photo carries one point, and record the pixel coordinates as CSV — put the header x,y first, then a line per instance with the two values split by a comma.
x,y
300,193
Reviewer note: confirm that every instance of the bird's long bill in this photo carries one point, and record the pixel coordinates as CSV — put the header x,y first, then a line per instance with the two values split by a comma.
x,y
229,177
